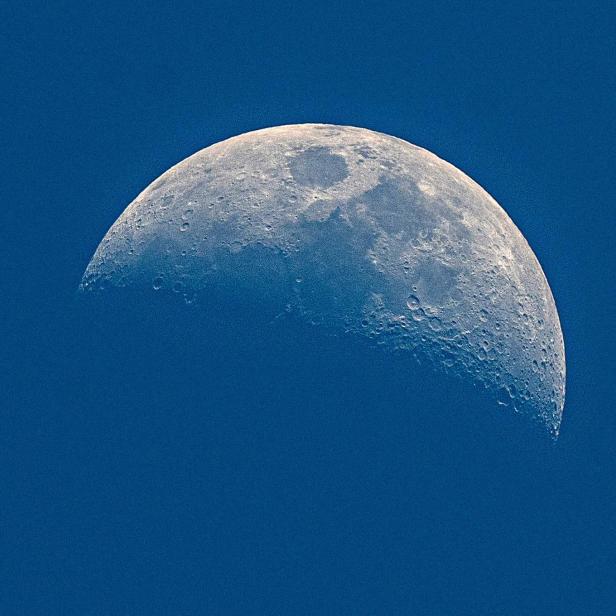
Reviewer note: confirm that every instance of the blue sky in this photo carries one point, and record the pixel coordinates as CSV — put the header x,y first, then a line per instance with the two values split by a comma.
x,y
100,98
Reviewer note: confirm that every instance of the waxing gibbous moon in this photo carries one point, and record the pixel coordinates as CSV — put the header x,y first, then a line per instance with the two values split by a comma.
x,y
354,232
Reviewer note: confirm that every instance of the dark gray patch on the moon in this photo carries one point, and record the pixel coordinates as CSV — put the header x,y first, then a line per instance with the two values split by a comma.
x,y
434,283
395,207
318,168
333,270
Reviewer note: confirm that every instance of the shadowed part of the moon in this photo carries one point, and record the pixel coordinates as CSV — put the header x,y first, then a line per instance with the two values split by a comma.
x,y
318,167
325,289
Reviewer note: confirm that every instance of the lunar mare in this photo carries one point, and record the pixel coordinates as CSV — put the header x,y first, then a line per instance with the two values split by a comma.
x,y
357,232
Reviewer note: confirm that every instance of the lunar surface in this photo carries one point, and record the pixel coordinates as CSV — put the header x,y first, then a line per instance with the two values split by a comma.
x,y
358,233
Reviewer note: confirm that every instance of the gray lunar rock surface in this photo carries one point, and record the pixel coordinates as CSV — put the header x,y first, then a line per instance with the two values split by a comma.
x,y
356,232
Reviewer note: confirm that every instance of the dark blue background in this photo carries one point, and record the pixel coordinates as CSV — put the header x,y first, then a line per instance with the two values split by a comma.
x,y
100,98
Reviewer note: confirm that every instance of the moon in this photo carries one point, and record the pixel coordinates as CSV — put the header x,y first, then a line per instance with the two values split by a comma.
x,y
355,232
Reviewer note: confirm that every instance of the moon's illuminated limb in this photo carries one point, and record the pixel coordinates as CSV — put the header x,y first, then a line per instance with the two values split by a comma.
x,y
358,231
